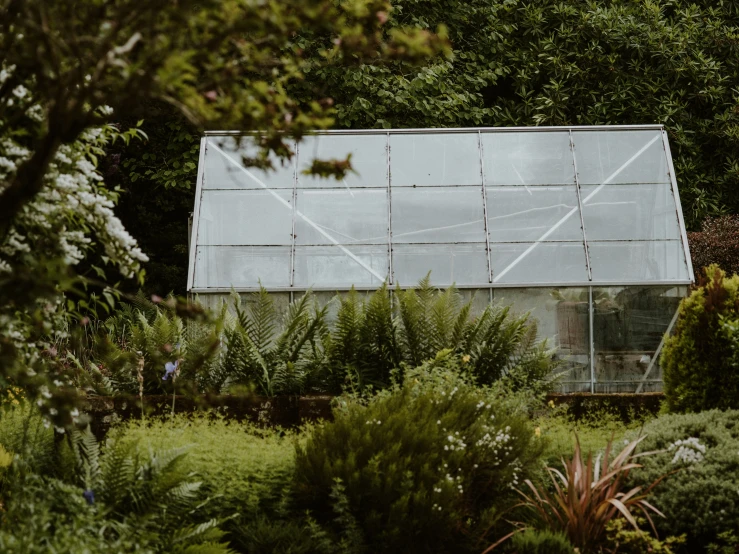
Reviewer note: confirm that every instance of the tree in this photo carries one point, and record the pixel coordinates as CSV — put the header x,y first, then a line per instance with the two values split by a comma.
x,y
70,70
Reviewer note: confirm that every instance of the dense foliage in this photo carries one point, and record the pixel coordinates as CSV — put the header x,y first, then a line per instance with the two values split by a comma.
x,y
700,499
117,498
370,339
716,243
700,359
247,472
429,465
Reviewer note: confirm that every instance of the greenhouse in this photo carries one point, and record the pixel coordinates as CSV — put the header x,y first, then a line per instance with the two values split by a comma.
x,y
581,226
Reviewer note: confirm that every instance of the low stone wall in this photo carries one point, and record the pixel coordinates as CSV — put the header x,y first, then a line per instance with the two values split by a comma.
x,y
292,411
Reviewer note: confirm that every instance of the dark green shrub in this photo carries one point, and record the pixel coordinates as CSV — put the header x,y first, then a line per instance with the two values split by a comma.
x,y
700,360
424,466
701,499
532,541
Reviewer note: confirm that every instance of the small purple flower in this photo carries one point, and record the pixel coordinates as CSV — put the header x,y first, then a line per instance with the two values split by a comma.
x,y
89,496
170,368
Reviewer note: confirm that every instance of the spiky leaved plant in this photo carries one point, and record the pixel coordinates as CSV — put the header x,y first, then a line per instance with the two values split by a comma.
x,y
590,494
148,493
277,355
362,347
498,342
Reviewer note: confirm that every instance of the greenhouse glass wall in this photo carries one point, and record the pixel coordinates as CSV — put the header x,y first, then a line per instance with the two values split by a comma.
x,y
581,226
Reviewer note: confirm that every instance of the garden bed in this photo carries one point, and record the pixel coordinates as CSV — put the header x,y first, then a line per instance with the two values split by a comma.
x,y
293,411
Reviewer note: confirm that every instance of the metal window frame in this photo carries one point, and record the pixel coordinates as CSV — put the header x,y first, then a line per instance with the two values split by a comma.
x,y
678,205
196,214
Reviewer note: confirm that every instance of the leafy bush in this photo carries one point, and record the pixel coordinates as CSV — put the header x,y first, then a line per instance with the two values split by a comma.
x,y
700,360
277,358
532,541
588,495
701,500
154,336
246,468
716,243
428,465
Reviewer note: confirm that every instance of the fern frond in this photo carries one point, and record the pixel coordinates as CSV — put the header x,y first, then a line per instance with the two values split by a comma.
x,y
263,318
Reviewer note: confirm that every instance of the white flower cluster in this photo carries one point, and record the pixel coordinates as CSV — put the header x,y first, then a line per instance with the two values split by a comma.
x,y
456,443
497,441
373,422
73,208
688,451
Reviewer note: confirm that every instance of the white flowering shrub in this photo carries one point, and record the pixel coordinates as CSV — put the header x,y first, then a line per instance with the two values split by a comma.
x,y
426,466
74,209
701,495
70,218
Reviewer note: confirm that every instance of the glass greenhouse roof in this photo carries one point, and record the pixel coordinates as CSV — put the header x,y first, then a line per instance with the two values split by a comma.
x,y
489,207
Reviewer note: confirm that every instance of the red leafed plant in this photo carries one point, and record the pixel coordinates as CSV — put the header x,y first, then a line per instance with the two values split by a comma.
x,y
588,495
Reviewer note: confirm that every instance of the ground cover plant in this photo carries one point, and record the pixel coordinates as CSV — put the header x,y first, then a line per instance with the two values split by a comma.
x,y
246,472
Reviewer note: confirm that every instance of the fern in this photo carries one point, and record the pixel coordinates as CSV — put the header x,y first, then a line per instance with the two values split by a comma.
x,y
276,363
150,494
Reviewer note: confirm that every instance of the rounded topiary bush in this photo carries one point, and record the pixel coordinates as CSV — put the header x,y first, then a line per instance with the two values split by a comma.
x,y
427,466
701,499
700,360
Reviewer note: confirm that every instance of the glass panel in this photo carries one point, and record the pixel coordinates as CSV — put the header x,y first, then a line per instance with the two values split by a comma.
x,y
438,215
461,264
528,158
563,319
543,262
242,266
255,217
368,158
435,160
527,213
628,326
620,157
629,212
637,261
342,267
225,166
347,216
